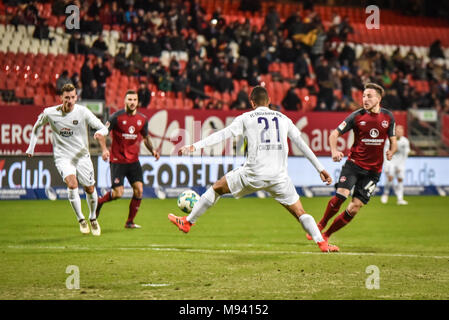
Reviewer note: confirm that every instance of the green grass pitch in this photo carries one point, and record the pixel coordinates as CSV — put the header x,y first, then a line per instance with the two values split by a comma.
x,y
240,250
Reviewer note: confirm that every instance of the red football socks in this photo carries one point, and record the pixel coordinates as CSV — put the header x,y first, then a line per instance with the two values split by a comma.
x,y
343,219
333,206
107,197
133,208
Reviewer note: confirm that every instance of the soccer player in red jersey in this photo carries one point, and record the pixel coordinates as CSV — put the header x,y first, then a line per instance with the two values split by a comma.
x,y
372,126
128,127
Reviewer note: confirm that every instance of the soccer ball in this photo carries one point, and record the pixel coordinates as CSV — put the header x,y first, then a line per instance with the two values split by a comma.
x,y
187,199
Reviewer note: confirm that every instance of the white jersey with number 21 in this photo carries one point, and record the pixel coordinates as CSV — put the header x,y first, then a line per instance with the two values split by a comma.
x,y
266,132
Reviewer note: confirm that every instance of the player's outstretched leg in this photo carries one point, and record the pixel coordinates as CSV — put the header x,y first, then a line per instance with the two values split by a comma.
x,y
180,222
309,225
207,200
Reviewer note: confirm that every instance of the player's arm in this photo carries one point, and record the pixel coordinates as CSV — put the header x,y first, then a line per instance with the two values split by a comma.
x,y
393,147
342,128
333,140
41,120
100,134
233,130
147,140
295,136
392,138
149,145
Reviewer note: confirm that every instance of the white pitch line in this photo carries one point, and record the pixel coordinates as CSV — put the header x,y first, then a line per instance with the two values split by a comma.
x,y
153,248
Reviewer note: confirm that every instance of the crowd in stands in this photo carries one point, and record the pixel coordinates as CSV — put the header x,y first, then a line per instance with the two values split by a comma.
x,y
221,51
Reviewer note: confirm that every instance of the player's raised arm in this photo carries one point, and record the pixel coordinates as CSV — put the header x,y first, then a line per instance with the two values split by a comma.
x,y
295,135
41,120
233,130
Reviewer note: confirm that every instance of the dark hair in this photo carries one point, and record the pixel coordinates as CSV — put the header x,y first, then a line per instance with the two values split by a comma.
x,y
130,92
67,88
259,96
376,87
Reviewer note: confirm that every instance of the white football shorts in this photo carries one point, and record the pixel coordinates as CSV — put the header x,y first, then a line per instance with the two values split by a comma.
x,y
395,169
241,185
82,168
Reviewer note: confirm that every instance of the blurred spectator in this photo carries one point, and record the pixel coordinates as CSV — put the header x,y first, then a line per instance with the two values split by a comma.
x,y
99,47
77,44
291,101
87,74
76,81
120,61
41,31
225,83
101,72
62,80
242,100
144,95
180,83
93,91
272,19
435,50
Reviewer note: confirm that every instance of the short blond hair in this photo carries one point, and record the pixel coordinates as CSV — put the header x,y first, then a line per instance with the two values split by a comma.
x,y
67,88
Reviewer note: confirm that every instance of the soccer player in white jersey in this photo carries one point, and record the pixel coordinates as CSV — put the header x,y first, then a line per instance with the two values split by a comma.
x,y
396,168
69,124
265,167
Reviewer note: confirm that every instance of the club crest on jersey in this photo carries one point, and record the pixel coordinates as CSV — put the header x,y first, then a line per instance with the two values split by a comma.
x,y
374,133
385,124
75,122
131,129
139,122
66,132
124,122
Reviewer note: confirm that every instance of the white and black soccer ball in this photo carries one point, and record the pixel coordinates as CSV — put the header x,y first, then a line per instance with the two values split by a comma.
x,y
187,199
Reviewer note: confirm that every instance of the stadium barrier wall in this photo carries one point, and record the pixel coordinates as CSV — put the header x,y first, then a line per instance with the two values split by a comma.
x,y
37,177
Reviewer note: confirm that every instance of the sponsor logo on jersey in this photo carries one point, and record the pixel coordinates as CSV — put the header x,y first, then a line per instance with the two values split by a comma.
x,y
363,123
342,125
124,122
385,124
374,133
343,179
66,132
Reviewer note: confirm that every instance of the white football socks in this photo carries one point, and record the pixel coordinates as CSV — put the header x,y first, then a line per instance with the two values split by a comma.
x,y
387,187
92,202
309,225
400,191
75,202
207,200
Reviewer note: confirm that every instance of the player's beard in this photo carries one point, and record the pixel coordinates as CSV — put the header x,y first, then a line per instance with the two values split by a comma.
x,y
129,110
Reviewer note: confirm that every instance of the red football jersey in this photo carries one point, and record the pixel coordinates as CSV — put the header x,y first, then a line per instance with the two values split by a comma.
x,y
127,132
371,130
